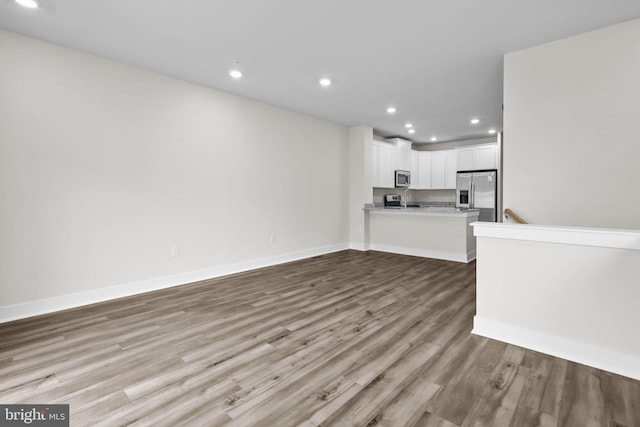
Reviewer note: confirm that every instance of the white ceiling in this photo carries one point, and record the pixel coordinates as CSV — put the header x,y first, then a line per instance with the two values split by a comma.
x,y
438,61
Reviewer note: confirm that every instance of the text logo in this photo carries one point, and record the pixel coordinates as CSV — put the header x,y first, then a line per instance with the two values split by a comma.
x,y
34,415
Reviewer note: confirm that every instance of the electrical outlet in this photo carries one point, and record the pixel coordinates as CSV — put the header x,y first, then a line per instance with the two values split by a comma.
x,y
272,238
175,251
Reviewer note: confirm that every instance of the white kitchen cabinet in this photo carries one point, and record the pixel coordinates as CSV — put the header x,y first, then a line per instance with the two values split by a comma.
x,y
443,169
403,154
424,170
451,164
438,169
485,157
465,159
375,164
388,178
383,164
433,169
415,169
429,169
477,157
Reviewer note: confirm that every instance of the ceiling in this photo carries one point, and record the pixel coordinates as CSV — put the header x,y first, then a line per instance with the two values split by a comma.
x,y
439,62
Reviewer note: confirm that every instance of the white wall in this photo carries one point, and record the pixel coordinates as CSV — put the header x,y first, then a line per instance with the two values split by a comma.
x,y
568,292
571,127
105,167
360,183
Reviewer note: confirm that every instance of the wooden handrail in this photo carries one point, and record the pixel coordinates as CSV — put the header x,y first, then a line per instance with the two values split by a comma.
x,y
510,214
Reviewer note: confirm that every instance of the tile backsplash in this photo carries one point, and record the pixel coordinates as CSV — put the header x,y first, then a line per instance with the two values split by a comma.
x,y
435,197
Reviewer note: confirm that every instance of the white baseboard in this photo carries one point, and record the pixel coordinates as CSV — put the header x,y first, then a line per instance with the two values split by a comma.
x,y
425,253
575,351
63,302
471,255
357,246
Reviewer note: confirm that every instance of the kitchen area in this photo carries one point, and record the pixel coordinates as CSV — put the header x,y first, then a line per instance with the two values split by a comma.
x,y
425,197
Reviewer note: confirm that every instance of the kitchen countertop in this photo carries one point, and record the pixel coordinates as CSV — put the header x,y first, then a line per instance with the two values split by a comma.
x,y
426,211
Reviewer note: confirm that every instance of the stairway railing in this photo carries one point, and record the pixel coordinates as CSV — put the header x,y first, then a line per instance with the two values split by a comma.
x,y
512,215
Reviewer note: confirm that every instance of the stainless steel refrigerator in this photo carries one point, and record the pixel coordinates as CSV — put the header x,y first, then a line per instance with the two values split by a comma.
x,y
478,190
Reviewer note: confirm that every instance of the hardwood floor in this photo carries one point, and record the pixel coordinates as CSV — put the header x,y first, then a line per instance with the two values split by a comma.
x,y
345,339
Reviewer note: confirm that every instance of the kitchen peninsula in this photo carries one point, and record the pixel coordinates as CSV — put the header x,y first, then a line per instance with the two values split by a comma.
x,y
433,232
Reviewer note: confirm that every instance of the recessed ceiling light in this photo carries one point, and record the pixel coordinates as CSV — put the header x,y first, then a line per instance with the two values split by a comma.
x,y
434,139
236,74
31,4
492,131
325,81
391,110
474,121
412,131
408,125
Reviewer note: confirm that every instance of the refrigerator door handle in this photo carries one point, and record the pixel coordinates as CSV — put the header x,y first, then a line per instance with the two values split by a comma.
x,y
472,196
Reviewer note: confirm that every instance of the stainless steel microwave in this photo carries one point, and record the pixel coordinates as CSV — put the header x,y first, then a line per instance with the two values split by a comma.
x,y
403,179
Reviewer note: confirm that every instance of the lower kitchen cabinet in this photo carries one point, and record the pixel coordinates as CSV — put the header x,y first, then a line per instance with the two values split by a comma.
x,y
418,232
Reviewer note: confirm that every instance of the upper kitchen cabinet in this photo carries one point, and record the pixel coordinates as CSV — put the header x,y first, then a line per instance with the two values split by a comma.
x,y
375,164
388,178
424,170
477,157
403,153
465,159
415,170
486,157
451,164
443,169
438,169
383,164
388,156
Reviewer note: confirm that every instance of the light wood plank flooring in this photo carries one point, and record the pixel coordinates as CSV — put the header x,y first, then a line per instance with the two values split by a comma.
x,y
345,339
